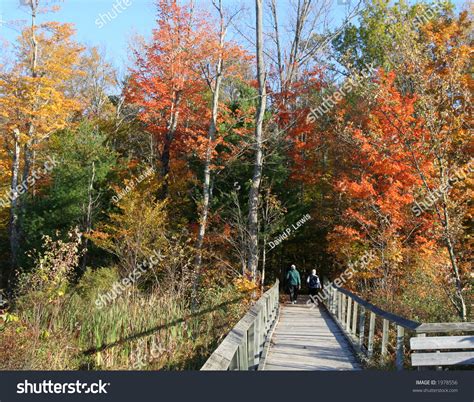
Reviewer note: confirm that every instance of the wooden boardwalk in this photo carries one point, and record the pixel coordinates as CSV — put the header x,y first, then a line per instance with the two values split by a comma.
x,y
307,338
275,336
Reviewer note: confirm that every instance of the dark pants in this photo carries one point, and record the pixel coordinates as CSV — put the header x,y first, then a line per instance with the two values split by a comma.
x,y
293,292
313,293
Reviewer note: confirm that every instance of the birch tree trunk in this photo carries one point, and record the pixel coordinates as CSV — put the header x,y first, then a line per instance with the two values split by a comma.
x,y
210,140
14,229
168,140
88,223
252,263
446,224
14,205
29,152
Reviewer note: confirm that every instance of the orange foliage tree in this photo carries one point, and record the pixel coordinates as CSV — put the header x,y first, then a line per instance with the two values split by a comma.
x,y
166,83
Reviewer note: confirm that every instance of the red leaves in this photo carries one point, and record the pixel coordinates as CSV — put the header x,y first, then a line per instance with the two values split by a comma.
x,y
380,179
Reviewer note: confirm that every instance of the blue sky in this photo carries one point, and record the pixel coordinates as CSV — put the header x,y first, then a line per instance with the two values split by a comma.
x,y
114,36
136,18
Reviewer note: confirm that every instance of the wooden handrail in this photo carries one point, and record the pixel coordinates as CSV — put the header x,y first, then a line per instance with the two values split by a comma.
x,y
350,313
445,327
403,322
242,347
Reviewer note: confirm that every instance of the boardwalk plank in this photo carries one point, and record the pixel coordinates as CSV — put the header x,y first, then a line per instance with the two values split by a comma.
x,y
307,339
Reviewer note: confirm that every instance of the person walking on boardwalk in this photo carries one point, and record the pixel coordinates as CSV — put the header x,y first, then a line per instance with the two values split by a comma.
x,y
293,280
314,285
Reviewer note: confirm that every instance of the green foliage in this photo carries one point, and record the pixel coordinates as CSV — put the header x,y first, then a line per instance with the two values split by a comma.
x,y
95,281
381,30
82,154
136,230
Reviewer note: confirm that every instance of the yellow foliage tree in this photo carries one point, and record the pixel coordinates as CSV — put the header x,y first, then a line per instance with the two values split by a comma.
x,y
35,102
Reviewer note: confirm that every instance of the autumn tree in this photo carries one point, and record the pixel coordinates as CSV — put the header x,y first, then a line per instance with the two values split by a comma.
x,y
35,102
166,83
221,62
253,255
94,87
443,85
380,185
415,145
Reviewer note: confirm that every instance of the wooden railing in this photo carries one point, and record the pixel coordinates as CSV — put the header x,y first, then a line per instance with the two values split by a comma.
x,y
242,347
354,314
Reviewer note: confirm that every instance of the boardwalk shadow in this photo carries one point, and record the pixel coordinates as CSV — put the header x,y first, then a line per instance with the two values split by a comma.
x,y
308,339
170,324
338,334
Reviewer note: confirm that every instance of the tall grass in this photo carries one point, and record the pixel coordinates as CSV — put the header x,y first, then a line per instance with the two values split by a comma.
x,y
136,331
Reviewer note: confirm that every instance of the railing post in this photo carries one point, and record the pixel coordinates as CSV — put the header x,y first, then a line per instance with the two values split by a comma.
x,y
361,327
329,299
385,330
343,308
270,311
354,318
400,347
262,328
264,318
234,364
243,354
334,295
270,315
370,346
348,314
257,337
272,298
251,356
338,305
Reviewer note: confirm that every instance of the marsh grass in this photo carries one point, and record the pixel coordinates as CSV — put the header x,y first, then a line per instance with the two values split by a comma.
x,y
136,332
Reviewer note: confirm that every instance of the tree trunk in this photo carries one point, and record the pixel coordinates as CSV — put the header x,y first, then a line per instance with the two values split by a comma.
x,y
88,225
168,140
462,309
29,153
165,163
14,223
211,136
252,263
446,223
14,205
